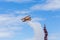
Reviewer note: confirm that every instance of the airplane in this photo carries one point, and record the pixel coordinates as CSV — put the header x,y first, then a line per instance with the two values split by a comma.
x,y
27,18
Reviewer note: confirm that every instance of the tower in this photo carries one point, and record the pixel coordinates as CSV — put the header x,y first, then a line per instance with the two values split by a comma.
x,y
45,32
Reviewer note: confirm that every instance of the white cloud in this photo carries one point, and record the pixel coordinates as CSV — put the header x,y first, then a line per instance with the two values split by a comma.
x,y
19,1
6,34
22,12
9,24
49,5
3,29
54,36
29,39
38,19
9,19
15,28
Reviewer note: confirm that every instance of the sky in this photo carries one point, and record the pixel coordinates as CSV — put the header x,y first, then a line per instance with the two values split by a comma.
x,y
41,11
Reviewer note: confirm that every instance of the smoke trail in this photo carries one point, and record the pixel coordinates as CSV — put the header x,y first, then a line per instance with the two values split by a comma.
x,y
38,31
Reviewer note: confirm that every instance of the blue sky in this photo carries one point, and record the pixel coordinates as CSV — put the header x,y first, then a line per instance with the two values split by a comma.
x,y
41,11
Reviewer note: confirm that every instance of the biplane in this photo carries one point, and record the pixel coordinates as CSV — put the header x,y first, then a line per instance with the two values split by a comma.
x,y
27,18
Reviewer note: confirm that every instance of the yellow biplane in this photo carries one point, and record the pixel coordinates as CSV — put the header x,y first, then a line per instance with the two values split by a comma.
x,y
27,18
